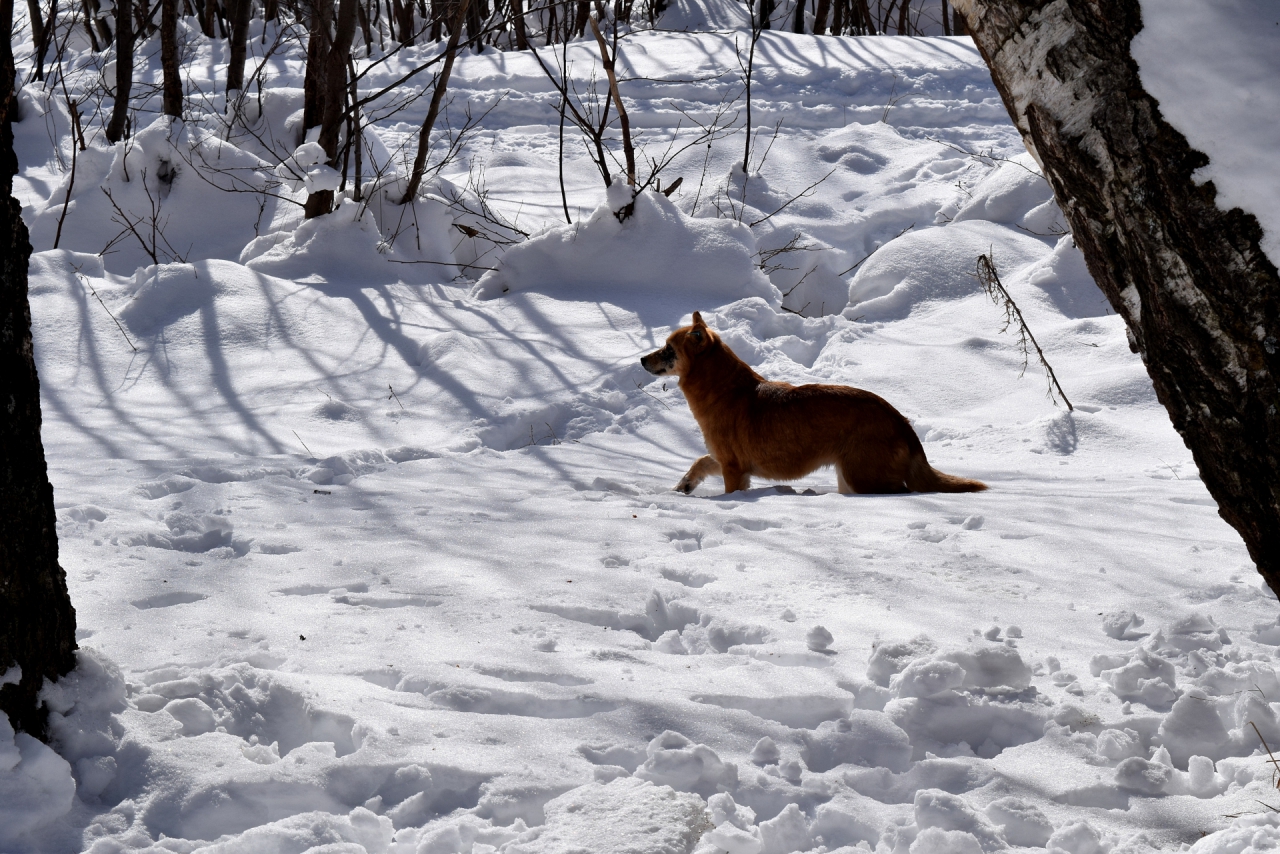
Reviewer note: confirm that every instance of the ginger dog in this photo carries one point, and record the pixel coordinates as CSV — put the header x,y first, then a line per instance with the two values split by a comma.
x,y
781,431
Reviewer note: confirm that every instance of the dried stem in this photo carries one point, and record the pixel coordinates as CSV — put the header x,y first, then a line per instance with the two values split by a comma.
x,y
995,289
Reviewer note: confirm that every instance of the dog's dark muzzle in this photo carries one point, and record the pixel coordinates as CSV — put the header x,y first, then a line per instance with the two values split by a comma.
x,y
659,362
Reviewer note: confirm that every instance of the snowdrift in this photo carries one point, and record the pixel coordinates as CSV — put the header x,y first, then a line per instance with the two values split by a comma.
x,y
386,557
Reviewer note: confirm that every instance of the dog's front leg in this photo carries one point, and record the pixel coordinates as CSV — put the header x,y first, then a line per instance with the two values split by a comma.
x,y
702,468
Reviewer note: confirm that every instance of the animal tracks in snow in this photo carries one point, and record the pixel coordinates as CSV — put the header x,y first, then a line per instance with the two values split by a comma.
x,y
443,691
168,600
669,625
803,712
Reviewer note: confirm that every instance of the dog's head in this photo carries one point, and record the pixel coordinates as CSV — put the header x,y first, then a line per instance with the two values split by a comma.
x,y
683,346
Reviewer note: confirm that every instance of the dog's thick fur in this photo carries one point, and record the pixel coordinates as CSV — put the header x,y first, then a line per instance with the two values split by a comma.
x,y
781,431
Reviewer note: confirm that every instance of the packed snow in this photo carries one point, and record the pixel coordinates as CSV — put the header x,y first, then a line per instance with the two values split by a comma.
x,y
369,526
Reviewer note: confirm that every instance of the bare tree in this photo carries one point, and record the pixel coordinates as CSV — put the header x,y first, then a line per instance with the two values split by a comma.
x,y
124,73
1199,297
41,31
169,58
240,13
325,85
37,622
437,96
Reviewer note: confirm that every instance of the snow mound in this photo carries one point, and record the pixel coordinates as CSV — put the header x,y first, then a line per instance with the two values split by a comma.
x,y
1066,283
625,816
1245,834
189,194
1013,193
348,246
657,252
696,15
961,702
675,761
165,293
36,786
933,265
863,738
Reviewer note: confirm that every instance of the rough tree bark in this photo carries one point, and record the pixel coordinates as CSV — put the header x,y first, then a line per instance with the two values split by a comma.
x,y
37,622
124,72
1200,299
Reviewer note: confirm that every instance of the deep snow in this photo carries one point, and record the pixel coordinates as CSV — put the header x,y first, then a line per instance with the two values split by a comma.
x,y
369,556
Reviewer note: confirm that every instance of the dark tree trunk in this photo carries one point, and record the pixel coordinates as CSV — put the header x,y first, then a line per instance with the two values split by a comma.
x,y
124,73
438,12
403,14
208,11
331,88
37,23
319,14
362,15
91,11
41,32
240,11
169,58
475,24
37,622
820,13
1200,299
89,14
517,23
868,22
765,12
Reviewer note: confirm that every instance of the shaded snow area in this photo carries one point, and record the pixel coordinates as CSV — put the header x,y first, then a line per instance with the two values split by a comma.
x,y
1212,67
372,555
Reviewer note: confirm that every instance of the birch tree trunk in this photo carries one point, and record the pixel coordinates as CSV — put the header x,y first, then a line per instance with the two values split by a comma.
x,y
1199,297
37,622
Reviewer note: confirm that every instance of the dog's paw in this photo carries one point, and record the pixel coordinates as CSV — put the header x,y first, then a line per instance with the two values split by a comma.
x,y
686,486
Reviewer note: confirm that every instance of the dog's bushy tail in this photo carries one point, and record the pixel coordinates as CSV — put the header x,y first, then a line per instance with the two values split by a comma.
x,y
922,477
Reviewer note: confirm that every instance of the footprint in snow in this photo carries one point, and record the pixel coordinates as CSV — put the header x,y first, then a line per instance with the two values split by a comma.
x,y
167,600
688,577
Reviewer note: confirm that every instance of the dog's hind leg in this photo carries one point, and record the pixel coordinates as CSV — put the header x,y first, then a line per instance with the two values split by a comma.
x,y
735,478
702,468
858,480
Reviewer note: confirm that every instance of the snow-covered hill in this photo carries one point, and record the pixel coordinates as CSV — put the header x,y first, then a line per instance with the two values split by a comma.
x,y
370,556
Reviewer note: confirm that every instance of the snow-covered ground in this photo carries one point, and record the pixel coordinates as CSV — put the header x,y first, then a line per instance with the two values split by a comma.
x,y
371,557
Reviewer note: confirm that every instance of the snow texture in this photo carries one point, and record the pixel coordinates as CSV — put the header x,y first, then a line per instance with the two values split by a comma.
x,y
1212,70
369,525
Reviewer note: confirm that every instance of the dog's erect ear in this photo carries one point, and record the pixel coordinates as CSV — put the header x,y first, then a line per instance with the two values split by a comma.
x,y
698,321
